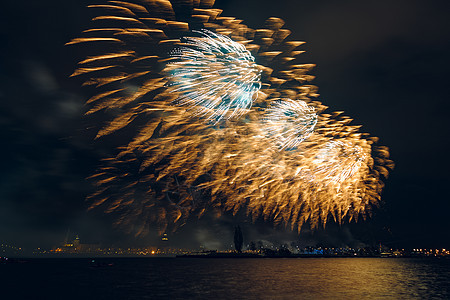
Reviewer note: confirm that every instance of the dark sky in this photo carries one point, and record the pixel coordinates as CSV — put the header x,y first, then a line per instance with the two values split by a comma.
x,y
385,63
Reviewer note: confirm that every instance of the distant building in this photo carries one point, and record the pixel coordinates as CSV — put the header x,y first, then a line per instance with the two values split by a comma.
x,y
76,247
76,243
165,237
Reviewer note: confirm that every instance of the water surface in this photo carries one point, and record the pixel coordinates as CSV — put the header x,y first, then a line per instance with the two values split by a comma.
x,y
193,278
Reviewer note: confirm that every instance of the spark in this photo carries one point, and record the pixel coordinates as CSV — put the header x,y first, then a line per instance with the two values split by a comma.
x,y
338,160
291,122
214,76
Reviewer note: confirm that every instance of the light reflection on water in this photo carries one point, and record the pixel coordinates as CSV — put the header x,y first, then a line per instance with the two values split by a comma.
x,y
307,278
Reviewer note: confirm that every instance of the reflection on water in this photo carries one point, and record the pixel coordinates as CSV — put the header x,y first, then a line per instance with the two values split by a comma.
x,y
153,278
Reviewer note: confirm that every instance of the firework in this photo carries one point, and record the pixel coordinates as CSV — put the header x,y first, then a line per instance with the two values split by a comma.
x,y
338,160
214,76
291,122
289,162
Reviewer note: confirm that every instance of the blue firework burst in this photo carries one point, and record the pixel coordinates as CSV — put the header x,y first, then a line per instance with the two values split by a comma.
x,y
214,76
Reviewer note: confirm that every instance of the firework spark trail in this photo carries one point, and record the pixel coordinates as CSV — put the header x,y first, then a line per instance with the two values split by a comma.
x,y
176,165
291,122
215,76
338,160
297,194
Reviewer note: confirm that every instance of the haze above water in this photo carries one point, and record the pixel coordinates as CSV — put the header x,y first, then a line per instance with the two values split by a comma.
x,y
183,278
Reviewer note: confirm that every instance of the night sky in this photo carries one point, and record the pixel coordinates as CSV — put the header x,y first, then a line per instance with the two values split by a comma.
x,y
385,63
